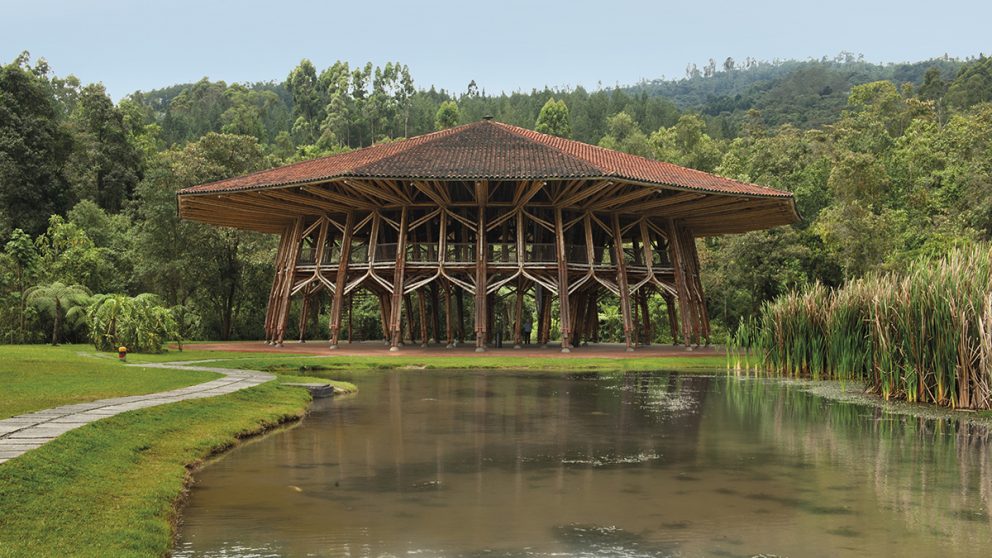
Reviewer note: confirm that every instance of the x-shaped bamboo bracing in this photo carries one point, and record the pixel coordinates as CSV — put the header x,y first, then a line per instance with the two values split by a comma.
x,y
436,241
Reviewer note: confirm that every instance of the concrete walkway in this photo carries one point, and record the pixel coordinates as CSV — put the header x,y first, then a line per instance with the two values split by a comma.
x,y
24,433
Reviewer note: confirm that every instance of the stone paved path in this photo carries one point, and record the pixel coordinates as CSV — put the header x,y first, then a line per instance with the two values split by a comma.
x,y
26,432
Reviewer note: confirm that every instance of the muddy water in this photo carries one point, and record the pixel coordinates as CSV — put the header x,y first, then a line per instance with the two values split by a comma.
x,y
488,464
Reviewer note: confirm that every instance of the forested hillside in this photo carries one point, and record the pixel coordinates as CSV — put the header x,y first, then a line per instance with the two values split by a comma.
x,y
887,162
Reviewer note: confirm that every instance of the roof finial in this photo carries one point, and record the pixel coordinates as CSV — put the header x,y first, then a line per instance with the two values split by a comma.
x,y
487,117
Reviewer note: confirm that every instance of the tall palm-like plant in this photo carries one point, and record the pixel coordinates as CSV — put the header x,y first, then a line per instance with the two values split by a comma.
x,y
59,300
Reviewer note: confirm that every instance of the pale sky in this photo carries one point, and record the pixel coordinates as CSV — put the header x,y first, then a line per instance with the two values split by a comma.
x,y
503,46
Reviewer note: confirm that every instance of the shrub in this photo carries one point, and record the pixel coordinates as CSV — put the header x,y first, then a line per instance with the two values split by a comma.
x,y
140,323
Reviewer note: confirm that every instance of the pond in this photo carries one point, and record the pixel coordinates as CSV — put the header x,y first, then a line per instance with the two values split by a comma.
x,y
435,463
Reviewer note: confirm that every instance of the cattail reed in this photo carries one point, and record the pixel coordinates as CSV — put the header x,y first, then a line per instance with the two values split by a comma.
x,y
924,334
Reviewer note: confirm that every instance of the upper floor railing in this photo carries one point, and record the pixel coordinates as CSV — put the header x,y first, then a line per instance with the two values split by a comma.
x,y
465,253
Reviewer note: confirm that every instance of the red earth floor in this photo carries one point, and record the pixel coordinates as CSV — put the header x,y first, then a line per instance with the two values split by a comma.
x,y
377,348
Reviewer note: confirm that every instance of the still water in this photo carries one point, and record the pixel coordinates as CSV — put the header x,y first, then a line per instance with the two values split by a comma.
x,y
426,463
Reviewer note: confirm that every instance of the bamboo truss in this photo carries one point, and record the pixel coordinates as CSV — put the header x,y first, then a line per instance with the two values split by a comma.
x,y
570,241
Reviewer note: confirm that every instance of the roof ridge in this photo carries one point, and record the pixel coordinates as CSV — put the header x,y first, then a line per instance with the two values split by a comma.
x,y
417,141
516,130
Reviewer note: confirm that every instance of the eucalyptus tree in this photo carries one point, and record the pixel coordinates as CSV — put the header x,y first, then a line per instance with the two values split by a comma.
x,y
404,96
335,82
307,101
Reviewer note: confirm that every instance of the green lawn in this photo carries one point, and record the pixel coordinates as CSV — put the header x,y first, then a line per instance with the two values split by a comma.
x,y
35,377
111,487
334,366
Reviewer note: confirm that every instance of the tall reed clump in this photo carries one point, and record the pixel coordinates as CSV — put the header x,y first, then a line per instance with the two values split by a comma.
x,y
924,334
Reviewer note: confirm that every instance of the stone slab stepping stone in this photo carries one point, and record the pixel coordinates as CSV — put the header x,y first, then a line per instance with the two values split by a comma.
x,y
317,391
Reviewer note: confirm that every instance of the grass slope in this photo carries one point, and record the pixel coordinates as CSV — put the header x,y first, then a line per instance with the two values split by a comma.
x,y
38,377
319,366
111,488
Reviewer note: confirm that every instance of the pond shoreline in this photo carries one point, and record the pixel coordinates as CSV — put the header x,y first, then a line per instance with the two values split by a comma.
x,y
849,392
263,430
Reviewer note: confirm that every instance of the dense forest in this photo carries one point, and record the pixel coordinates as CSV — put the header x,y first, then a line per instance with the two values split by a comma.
x,y
887,162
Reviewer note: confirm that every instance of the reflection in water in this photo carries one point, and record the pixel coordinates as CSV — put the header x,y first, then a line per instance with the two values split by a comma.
x,y
474,464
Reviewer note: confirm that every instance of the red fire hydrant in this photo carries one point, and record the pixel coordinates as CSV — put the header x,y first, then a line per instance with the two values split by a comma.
x,y
122,353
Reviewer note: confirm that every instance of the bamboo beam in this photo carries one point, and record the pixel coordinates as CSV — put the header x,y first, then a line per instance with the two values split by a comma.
x,y
583,193
307,201
351,202
668,201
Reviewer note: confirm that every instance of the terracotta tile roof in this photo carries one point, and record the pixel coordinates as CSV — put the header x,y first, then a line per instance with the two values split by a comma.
x,y
487,149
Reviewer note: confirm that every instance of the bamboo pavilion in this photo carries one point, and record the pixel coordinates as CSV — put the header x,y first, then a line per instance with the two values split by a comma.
x,y
469,211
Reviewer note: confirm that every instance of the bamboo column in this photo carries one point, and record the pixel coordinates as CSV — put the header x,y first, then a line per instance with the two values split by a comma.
x,y
351,305
460,304
578,313
435,305
645,317
422,303
395,317
628,324
341,282
518,337
697,285
540,300
593,317
409,335
518,315
384,313
481,275
673,320
447,316
563,303
677,257
301,326
635,319
287,284
272,309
